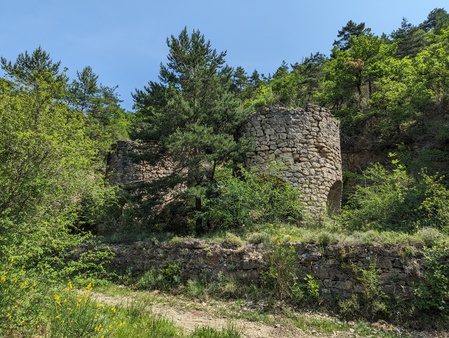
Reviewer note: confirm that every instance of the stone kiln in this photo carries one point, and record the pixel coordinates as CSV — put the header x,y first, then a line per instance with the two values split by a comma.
x,y
307,142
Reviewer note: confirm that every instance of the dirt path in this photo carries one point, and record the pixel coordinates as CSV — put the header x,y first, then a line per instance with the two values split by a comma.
x,y
189,315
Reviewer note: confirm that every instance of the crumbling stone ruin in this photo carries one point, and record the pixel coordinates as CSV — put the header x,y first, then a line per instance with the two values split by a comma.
x,y
305,141
128,168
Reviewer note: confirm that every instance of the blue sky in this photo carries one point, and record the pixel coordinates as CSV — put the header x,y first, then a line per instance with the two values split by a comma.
x,y
125,41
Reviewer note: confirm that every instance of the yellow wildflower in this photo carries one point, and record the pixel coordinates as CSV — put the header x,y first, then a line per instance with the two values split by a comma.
x,y
70,286
89,287
98,328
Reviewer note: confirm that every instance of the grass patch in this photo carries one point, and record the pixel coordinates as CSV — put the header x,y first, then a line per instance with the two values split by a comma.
x,y
31,308
207,332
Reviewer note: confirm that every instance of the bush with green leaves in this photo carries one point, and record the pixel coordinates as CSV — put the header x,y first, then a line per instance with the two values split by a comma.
x,y
51,169
372,302
395,201
165,278
432,294
251,198
19,295
281,279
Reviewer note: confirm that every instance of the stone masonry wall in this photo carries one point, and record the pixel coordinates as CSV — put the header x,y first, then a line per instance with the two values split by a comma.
x,y
307,142
334,267
126,168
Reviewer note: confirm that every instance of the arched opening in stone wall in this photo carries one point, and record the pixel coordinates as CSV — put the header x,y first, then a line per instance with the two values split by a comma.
x,y
334,198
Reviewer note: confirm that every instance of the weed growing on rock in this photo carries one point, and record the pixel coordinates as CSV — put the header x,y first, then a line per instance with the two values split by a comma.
x,y
371,301
282,280
433,293
164,278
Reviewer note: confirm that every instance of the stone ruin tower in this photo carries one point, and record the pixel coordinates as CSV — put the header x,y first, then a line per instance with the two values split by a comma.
x,y
307,142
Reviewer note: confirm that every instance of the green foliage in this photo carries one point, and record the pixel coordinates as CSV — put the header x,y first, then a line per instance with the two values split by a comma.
x,y
372,303
409,38
51,177
437,20
281,280
325,238
138,321
30,307
321,324
19,296
285,85
430,236
38,73
207,332
194,113
432,294
291,86
232,241
390,90
263,96
251,198
395,201
76,315
196,288
164,278
350,30
100,105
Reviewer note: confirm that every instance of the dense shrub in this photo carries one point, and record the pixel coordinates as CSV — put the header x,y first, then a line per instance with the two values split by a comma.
x,y
393,200
251,198
164,278
281,279
432,293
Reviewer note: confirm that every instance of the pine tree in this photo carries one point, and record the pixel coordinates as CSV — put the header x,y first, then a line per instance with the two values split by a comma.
x,y
193,112
351,29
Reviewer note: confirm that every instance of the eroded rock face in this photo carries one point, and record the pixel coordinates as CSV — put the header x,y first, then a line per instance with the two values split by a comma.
x,y
307,142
